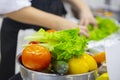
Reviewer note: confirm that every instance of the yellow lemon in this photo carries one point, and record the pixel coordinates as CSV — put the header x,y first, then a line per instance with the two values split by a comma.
x,y
77,66
104,76
90,61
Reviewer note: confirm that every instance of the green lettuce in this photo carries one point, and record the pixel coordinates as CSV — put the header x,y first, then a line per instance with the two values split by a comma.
x,y
106,27
62,44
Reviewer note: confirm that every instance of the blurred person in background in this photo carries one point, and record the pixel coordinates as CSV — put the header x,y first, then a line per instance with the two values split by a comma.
x,y
26,14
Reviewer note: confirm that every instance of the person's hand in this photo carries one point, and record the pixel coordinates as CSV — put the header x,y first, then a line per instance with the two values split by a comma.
x,y
83,31
86,18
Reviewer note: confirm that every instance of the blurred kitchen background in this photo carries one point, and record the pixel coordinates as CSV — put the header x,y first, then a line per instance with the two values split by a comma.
x,y
0,19
109,8
105,8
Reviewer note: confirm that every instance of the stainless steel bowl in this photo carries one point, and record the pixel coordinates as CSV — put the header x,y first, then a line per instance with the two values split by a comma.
x,y
28,74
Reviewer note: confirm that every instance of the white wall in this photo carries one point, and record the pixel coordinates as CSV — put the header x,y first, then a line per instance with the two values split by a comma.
x,y
95,3
115,4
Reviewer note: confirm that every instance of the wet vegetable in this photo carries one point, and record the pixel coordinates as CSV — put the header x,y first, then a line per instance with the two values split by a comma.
x,y
60,67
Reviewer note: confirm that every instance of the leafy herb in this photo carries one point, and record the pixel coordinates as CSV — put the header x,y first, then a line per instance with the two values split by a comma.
x,y
106,26
63,44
